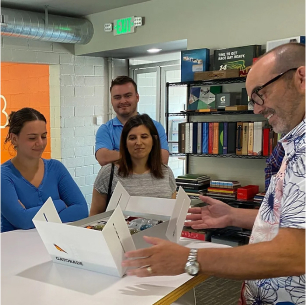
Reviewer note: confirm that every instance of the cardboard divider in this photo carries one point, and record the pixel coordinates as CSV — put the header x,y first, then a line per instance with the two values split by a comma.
x,y
103,251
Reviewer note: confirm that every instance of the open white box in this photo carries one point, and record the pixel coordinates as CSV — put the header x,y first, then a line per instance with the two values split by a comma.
x,y
103,251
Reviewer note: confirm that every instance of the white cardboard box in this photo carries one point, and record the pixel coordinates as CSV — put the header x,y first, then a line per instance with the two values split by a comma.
x,y
103,251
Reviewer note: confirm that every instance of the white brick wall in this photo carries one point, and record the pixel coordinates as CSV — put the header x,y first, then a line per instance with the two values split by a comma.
x,y
82,88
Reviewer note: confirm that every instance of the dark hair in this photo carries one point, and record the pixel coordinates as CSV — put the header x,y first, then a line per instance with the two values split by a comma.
x,y
17,119
154,161
122,80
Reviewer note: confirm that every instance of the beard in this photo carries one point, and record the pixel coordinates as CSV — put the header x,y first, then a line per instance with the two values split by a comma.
x,y
126,110
284,118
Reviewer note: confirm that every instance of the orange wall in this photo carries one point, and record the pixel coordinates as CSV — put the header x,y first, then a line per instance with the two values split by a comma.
x,y
24,85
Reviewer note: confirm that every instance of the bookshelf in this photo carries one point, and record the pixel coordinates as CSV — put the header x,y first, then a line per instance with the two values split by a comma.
x,y
210,164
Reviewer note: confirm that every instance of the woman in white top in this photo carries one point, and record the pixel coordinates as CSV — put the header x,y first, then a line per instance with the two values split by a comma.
x,y
140,169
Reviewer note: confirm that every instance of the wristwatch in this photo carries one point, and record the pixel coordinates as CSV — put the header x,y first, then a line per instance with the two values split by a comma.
x,y
192,266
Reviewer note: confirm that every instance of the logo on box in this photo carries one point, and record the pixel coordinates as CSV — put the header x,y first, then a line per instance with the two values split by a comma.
x,y
59,248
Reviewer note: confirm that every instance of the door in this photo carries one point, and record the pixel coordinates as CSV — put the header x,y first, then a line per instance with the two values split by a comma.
x,y
151,82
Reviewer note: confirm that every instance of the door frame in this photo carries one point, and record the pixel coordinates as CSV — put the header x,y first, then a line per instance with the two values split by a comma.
x,y
160,68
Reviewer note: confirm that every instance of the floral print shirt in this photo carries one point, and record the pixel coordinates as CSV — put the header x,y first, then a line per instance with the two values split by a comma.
x,y
282,207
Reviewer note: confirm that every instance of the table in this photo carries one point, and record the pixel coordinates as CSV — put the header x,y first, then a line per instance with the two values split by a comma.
x,y
30,277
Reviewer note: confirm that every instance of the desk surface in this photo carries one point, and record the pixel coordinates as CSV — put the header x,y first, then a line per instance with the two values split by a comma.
x,y
30,277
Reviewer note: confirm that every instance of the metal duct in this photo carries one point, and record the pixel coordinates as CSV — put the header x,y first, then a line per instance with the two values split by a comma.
x,y
45,27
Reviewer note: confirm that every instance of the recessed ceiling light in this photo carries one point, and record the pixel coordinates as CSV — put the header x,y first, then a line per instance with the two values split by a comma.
x,y
154,50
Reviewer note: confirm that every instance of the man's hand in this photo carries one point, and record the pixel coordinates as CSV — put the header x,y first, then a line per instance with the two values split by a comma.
x,y
216,214
163,258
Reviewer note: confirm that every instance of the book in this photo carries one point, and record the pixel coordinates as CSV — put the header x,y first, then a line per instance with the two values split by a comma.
x,y
257,145
220,148
271,141
210,137
245,136
192,186
199,235
216,138
236,108
231,143
225,137
200,137
224,183
194,128
192,178
251,139
221,195
190,138
205,138
265,142
259,196
182,128
221,190
206,110
187,138
239,139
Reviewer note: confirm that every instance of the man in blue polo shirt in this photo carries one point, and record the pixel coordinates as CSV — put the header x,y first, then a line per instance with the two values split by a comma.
x,y
124,98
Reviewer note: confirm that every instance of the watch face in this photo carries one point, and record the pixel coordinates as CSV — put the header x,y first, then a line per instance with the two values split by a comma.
x,y
192,268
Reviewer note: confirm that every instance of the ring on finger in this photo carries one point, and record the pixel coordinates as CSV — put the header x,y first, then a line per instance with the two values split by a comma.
x,y
149,269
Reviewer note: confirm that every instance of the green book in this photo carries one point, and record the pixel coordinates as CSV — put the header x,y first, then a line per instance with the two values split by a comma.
x,y
220,147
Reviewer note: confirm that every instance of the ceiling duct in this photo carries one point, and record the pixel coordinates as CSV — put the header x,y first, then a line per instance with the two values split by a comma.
x,y
40,26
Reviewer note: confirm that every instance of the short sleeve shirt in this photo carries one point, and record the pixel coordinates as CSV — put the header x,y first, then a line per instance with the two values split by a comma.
x,y
282,207
108,135
138,184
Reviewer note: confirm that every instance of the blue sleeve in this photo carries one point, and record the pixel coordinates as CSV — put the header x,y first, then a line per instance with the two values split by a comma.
x,y
273,163
71,195
162,135
103,138
11,209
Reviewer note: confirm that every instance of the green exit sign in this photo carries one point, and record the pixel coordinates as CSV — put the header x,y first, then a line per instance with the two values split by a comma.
x,y
124,26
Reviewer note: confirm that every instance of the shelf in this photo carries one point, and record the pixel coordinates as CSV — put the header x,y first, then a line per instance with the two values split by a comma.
x,y
221,156
177,155
219,112
229,232
230,156
218,81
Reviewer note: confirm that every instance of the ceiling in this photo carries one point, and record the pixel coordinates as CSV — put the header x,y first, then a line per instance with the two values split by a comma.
x,y
166,47
69,7
80,8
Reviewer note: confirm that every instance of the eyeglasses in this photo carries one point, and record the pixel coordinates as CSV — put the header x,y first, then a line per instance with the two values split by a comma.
x,y
257,98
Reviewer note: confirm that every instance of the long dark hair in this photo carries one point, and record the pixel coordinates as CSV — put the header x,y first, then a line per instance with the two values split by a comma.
x,y
17,119
154,161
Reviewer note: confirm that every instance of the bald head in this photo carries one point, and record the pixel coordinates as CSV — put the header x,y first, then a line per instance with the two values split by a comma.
x,y
276,61
276,85
285,57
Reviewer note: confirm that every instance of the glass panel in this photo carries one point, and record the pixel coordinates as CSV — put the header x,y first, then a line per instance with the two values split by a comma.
x,y
177,102
146,85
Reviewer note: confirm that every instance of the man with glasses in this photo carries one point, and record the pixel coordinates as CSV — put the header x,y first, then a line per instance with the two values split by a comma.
x,y
273,264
